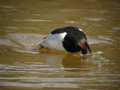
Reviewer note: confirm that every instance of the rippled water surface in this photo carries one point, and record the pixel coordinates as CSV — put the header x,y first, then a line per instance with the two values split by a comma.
x,y
23,24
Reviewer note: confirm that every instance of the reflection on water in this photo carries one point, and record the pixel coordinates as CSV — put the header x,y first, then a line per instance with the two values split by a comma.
x,y
59,71
23,25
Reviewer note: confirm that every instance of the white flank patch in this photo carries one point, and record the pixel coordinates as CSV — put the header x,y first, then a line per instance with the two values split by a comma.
x,y
54,41
80,29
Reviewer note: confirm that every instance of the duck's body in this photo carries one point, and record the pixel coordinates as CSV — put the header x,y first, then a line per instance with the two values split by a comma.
x,y
71,39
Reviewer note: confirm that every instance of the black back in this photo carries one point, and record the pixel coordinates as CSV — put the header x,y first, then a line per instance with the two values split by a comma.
x,y
65,29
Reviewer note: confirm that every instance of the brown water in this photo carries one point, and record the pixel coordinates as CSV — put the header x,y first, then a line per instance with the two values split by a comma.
x,y
24,22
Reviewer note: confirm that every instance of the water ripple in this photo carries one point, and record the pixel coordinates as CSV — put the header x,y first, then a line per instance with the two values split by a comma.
x,y
53,85
32,20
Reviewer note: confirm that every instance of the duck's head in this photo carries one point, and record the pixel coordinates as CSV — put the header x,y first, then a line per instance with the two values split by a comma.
x,y
76,41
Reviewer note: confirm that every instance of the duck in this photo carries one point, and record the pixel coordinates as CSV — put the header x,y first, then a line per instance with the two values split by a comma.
x,y
70,39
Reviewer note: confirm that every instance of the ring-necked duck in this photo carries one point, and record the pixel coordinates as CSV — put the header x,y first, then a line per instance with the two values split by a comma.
x,y
71,39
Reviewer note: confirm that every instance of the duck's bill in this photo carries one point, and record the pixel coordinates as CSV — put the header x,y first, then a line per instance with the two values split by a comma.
x,y
88,47
85,48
